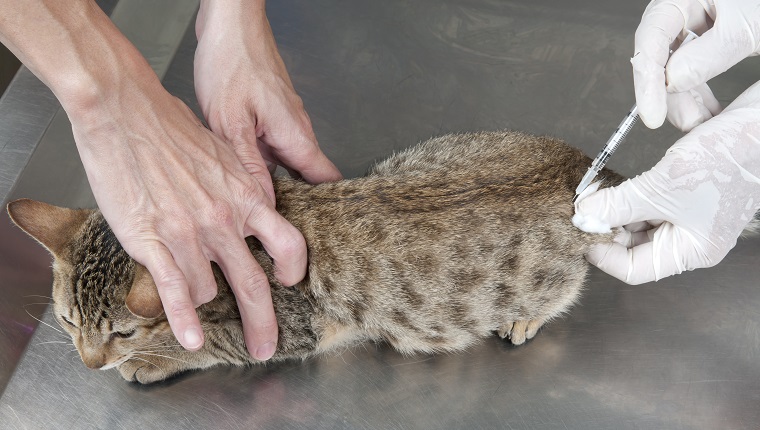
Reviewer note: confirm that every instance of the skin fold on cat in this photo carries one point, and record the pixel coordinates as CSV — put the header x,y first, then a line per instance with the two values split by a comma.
x,y
434,249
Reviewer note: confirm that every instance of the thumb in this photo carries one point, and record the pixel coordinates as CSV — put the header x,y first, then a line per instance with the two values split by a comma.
x,y
689,109
661,23
618,206
711,54
249,156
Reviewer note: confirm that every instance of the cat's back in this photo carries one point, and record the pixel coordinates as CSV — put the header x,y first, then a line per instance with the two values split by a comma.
x,y
465,188
506,153
517,172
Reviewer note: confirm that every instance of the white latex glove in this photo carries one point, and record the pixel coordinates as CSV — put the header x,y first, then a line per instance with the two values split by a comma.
x,y
688,211
729,31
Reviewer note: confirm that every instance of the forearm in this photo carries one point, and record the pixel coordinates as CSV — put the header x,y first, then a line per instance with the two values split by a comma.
x,y
74,48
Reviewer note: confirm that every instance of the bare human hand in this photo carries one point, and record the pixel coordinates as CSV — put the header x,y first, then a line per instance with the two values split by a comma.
x,y
247,97
175,195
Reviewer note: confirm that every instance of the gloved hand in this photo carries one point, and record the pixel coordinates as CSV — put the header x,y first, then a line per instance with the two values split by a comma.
x,y
688,211
729,32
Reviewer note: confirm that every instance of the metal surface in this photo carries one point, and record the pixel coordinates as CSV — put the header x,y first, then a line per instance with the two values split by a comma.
x,y
379,76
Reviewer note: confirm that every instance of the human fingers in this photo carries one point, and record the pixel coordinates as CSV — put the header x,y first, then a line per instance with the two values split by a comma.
x,y
661,23
688,109
283,242
635,264
671,250
175,297
638,226
247,151
714,52
244,89
251,287
196,268
306,158
632,266
621,205
639,238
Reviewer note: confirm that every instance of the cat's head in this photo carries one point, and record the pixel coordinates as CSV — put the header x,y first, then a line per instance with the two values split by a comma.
x,y
106,301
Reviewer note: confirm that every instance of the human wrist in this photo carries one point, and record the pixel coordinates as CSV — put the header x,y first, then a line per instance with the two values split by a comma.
x,y
219,14
111,68
97,92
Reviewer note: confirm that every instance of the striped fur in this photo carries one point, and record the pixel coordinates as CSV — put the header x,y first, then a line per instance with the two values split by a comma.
x,y
437,247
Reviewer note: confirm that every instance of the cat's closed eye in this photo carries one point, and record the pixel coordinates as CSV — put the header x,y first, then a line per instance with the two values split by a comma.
x,y
123,334
68,321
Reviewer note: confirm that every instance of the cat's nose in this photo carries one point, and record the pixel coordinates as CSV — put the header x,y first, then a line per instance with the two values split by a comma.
x,y
94,361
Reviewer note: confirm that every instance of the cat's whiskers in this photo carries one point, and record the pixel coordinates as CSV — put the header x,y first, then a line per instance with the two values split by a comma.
x,y
155,351
160,355
116,363
43,322
38,303
38,296
151,345
55,341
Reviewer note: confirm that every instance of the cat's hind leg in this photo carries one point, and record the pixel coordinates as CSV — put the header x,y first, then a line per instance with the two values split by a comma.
x,y
520,331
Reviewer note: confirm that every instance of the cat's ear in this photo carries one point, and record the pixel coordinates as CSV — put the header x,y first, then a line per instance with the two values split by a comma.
x,y
143,299
52,226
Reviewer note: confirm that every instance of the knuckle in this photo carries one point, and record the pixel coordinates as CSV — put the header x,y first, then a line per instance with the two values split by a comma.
x,y
253,288
219,214
206,295
292,244
257,200
167,279
265,327
180,309
179,230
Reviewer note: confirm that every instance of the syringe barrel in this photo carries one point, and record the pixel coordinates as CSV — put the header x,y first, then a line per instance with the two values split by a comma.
x,y
622,130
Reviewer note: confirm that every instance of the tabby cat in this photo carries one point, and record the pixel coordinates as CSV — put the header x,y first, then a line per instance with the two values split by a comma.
x,y
435,248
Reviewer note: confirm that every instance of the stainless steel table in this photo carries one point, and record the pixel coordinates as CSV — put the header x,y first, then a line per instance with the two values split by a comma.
x,y
376,77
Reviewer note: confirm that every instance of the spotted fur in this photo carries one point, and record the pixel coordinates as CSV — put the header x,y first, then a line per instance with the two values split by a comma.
x,y
437,247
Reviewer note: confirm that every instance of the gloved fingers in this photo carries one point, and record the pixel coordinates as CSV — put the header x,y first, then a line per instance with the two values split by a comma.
x,y
636,265
655,222
623,263
640,238
619,206
652,255
711,54
661,23
634,234
688,109
638,226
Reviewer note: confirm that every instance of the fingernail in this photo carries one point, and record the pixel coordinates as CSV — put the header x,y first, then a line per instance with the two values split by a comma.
x,y
193,338
265,352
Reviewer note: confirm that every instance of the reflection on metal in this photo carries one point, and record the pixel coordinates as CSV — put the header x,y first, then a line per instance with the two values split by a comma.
x,y
379,76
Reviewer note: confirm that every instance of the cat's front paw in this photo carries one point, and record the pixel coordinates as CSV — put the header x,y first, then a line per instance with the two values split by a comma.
x,y
141,371
520,331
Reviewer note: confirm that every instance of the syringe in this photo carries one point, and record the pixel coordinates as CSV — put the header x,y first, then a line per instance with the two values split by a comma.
x,y
617,137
